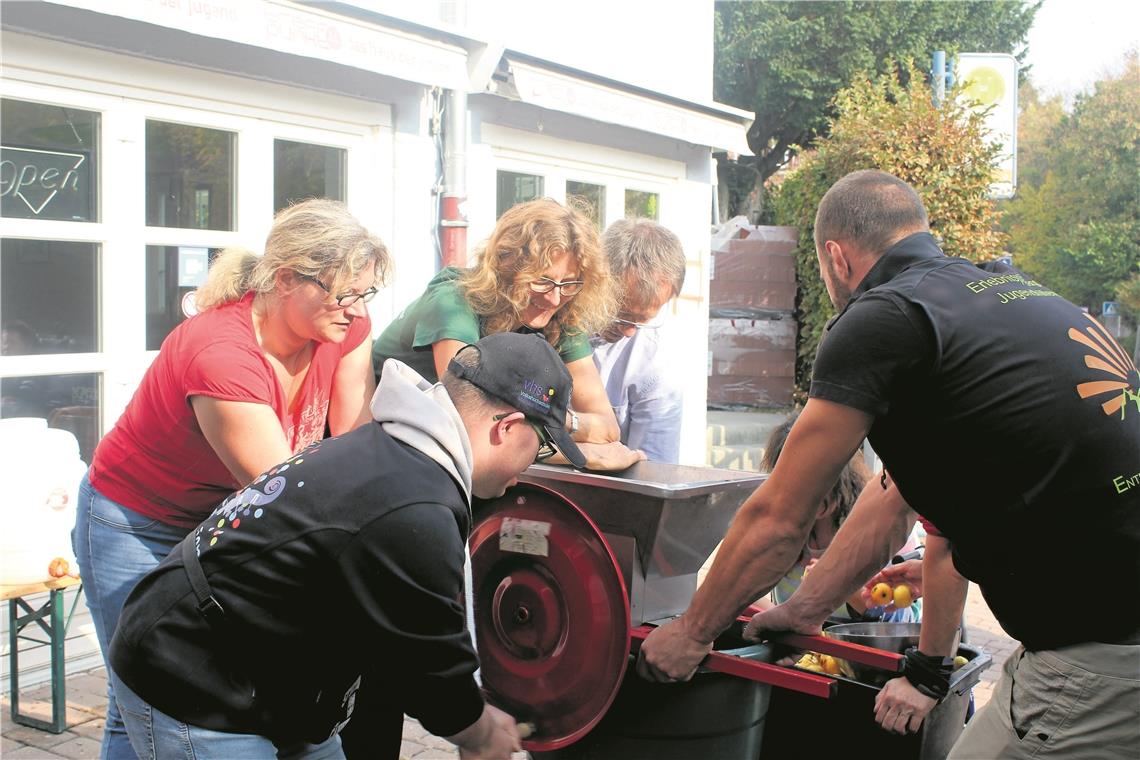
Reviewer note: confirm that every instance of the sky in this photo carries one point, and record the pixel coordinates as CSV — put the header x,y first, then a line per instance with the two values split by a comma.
x,y
1074,42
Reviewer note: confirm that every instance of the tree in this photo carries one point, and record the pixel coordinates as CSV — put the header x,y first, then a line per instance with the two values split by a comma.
x,y
787,60
1075,222
1037,120
890,123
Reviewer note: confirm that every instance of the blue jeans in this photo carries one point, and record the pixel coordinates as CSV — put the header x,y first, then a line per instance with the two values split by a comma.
x,y
115,547
157,736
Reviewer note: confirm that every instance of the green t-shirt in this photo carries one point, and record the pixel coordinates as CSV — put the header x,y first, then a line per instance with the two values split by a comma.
x,y
442,313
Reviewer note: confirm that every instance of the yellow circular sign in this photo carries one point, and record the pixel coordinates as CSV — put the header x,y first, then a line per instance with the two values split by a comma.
x,y
985,85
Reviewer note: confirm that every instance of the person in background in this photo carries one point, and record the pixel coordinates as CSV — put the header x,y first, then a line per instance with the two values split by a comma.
x,y
942,364
647,263
832,513
542,271
278,350
343,562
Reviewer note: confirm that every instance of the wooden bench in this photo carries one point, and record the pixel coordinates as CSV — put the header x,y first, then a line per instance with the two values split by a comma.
x,y
51,620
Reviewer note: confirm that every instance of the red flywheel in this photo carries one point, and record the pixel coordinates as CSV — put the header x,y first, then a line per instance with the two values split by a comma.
x,y
551,614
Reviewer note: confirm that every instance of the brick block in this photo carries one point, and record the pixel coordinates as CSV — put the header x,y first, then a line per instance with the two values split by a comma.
x,y
750,391
734,266
727,294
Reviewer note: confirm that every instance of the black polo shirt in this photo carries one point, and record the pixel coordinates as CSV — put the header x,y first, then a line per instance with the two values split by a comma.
x,y
1010,419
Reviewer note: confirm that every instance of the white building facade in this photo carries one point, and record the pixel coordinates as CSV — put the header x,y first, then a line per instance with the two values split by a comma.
x,y
140,136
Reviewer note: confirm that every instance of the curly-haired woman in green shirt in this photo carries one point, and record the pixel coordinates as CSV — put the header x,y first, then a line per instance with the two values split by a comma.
x,y
542,270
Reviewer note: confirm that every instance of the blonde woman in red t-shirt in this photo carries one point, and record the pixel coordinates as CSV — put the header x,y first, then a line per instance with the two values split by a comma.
x,y
280,347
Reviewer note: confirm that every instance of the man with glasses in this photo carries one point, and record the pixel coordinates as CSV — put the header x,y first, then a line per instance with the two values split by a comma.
x,y
649,263
343,562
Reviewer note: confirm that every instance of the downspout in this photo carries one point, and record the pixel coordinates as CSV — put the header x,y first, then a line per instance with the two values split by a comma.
x,y
452,222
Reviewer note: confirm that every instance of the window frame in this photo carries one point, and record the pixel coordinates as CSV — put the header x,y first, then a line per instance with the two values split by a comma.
x,y
120,232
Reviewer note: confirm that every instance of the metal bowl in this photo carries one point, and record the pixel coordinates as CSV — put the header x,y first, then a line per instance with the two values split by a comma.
x,y
892,637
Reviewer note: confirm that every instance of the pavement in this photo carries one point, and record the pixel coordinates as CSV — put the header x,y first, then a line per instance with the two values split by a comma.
x,y
87,701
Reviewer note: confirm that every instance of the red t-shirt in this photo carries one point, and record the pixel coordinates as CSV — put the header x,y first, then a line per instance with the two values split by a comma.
x,y
156,460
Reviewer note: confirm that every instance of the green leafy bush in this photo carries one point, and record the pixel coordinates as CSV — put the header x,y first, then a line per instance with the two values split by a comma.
x,y
884,124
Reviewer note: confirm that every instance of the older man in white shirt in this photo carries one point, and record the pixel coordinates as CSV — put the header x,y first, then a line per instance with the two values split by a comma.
x,y
650,263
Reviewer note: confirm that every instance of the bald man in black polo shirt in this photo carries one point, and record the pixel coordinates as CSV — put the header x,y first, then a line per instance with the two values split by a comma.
x,y
1005,415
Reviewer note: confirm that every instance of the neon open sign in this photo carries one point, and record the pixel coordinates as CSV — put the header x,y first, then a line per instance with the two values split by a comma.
x,y
51,184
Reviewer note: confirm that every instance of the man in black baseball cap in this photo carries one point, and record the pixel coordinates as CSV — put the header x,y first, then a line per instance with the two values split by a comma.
x,y
372,525
526,372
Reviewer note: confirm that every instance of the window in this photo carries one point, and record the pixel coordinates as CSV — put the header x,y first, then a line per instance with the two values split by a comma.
x,y
301,171
588,198
514,188
172,274
48,162
48,297
641,204
189,176
68,402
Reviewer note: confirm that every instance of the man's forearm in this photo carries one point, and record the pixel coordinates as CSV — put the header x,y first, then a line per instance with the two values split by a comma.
x,y
756,553
878,524
944,595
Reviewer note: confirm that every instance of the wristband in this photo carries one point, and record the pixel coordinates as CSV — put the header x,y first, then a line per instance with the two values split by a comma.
x,y
930,674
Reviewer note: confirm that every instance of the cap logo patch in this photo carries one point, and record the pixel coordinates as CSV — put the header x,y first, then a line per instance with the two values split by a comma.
x,y
532,391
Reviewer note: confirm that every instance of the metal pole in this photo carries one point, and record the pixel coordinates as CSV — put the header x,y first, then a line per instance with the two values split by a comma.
x,y
453,224
938,77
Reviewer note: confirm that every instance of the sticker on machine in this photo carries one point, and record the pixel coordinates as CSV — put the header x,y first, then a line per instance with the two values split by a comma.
x,y
524,536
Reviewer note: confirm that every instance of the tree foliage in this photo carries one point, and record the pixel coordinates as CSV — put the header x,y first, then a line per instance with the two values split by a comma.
x,y
890,123
1075,222
787,60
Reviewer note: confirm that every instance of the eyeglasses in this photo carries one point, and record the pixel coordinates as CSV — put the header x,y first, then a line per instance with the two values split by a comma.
x,y
545,445
344,299
565,289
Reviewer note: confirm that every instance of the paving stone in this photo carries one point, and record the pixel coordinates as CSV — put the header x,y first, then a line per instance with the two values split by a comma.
x,y
32,753
409,749
79,748
8,745
434,753
42,710
439,743
92,729
33,737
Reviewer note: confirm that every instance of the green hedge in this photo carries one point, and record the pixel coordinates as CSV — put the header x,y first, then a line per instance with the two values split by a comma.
x,y
888,125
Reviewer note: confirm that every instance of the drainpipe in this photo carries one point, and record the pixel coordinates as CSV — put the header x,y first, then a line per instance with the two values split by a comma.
x,y
452,222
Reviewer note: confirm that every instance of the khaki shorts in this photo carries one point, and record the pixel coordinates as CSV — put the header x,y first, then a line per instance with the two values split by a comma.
x,y
1075,702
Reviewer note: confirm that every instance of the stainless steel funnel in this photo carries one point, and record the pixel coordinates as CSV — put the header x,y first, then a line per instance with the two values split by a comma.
x,y
662,521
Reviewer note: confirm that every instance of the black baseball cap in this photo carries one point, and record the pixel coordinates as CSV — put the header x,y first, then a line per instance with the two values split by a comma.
x,y
526,372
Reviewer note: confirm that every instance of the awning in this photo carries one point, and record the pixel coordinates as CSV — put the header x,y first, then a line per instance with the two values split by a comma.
x,y
303,31
713,124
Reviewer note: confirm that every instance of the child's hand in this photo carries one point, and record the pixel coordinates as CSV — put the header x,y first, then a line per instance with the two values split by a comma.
x,y
908,573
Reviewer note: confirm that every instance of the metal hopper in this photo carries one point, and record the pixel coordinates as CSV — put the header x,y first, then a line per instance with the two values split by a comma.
x,y
662,522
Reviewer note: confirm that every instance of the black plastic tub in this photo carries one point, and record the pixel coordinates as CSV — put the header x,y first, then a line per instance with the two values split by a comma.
x,y
712,716
802,727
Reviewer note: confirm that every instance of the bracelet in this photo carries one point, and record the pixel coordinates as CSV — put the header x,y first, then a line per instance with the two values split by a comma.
x,y
930,674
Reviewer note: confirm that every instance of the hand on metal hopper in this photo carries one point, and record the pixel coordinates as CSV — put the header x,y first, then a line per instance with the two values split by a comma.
x,y
671,654
783,618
